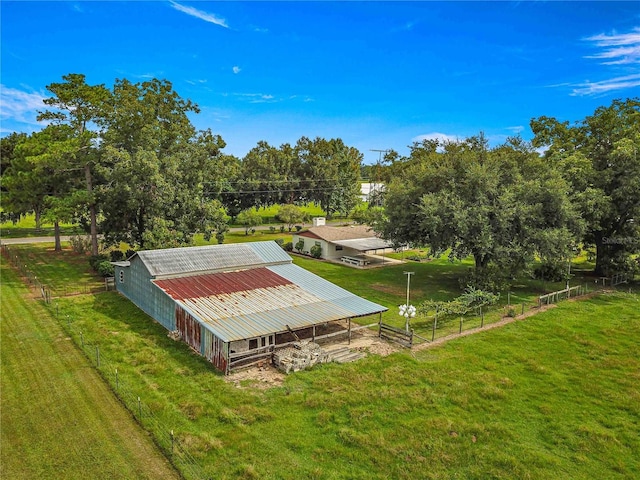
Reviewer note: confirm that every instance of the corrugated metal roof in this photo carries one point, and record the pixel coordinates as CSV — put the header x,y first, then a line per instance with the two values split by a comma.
x,y
210,258
261,301
365,244
326,290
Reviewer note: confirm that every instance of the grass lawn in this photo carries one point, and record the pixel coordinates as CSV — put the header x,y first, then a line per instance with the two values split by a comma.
x,y
64,272
555,396
26,227
59,419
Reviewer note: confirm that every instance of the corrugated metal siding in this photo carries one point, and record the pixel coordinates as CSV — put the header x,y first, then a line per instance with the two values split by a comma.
x,y
215,350
189,328
138,288
173,261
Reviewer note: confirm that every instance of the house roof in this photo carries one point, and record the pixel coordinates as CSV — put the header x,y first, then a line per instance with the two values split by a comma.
x,y
211,258
265,300
358,237
331,234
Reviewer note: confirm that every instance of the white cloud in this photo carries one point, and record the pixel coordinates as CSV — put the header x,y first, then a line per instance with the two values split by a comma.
x,y
441,137
617,48
20,106
605,86
202,15
516,130
236,69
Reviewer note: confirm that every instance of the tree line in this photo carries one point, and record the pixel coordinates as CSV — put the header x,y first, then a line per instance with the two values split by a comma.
x,y
510,205
128,163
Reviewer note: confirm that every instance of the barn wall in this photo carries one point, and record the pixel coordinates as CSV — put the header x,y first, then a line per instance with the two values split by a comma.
x,y
215,350
189,328
136,285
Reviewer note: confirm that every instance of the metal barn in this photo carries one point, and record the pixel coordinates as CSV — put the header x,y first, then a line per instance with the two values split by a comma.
x,y
235,304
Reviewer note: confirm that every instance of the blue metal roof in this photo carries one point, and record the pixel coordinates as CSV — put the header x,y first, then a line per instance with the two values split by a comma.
x,y
211,258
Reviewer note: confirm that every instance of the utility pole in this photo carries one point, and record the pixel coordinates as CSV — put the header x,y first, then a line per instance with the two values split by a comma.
x,y
374,184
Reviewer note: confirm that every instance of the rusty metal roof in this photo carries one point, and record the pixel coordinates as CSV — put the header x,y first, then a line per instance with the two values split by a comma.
x,y
211,258
261,301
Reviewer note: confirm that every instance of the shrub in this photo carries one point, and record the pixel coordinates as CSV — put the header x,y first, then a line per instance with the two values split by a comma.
x,y
288,246
105,268
298,228
281,228
300,245
116,255
272,229
316,251
280,241
129,253
80,244
552,272
95,260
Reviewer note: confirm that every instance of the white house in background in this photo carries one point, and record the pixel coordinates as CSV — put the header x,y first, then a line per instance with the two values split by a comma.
x,y
370,190
340,243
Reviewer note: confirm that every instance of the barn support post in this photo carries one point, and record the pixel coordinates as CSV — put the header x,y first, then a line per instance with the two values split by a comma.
x,y
313,333
349,331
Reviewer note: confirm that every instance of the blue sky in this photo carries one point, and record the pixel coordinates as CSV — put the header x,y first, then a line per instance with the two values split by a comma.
x,y
379,75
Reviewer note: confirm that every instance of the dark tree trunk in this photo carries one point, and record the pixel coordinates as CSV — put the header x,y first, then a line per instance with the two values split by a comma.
x,y
56,233
600,254
92,210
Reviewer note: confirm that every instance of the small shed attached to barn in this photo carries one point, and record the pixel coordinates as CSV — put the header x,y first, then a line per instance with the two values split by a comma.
x,y
235,303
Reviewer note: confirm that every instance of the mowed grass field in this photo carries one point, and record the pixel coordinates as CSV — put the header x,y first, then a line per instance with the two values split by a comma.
x,y
554,396
58,417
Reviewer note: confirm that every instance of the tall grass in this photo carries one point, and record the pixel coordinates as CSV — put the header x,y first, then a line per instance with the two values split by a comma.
x,y
552,397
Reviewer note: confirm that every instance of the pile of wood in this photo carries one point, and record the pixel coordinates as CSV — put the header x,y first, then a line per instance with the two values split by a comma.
x,y
299,356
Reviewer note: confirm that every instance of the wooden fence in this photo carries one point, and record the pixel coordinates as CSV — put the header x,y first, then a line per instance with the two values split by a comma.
x,y
555,297
395,334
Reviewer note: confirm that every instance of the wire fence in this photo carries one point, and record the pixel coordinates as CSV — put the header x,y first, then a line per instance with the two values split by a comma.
x,y
46,290
130,395
132,398
430,328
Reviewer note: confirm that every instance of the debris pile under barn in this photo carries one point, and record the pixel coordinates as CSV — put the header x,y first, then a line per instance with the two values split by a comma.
x,y
305,354
299,356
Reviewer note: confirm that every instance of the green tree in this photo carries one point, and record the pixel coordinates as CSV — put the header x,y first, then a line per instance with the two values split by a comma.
x,y
502,206
290,215
248,219
159,170
600,157
80,107
330,173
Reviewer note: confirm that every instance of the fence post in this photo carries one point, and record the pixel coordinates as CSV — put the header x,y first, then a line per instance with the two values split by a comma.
x,y
522,308
435,322
509,298
117,380
460,331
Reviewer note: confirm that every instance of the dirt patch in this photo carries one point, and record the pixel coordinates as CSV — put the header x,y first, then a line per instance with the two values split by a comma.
x,y
266,376
381,287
